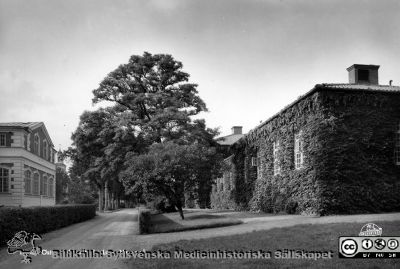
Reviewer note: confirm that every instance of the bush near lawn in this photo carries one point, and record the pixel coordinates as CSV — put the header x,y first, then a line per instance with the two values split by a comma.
x,y
144,220
41,219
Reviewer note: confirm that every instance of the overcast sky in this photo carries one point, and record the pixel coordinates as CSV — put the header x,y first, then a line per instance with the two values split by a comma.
x,y
250,57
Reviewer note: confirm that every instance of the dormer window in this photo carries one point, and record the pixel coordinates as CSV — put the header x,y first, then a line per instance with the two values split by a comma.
x,y
45,149
36,146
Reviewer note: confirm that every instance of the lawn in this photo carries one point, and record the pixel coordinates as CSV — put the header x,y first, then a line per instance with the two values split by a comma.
x,y
172,222
322,237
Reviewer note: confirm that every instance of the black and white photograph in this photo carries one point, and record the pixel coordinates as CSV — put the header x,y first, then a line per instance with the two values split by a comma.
x,y
199,134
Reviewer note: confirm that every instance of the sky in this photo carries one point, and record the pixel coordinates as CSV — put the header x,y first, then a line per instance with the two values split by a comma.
x,y
250,58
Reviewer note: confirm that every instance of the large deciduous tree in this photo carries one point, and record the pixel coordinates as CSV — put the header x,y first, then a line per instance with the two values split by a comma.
x,y
155,92
148,133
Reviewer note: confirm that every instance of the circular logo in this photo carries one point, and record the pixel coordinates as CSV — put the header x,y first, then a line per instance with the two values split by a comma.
x,y
367,244
380,243
349,247
370,229
392,244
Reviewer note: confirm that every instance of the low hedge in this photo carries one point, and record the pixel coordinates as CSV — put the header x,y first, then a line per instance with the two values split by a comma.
x,y
144,220
41,219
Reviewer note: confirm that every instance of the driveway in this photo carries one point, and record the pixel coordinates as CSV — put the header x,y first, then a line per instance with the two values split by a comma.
x,y
118,230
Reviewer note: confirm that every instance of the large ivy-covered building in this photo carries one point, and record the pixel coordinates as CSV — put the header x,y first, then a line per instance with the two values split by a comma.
x,y
335,150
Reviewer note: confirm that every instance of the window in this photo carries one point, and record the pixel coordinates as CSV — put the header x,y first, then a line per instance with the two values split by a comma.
x,y
44,154
2,140
43,186
28,187
36,145
35,189
4,179
51,187
277,167
397,146
228,181
298,151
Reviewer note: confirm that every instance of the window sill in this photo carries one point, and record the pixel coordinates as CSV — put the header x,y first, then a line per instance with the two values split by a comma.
x,y
37,195
5,193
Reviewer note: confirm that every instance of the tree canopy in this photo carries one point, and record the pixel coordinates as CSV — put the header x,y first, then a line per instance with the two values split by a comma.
x,y
147,135
155,93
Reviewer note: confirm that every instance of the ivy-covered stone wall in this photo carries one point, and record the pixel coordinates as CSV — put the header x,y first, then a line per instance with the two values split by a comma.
x,y
348,146
223,192
357,171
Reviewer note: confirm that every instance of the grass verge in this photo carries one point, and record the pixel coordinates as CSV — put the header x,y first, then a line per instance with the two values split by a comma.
x,y
321,237
171,222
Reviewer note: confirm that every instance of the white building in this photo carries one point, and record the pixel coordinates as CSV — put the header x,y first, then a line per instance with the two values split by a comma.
x,y
27,169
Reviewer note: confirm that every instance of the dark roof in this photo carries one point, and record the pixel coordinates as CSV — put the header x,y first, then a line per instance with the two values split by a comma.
x,y
229,139
363,87
31,125
336,87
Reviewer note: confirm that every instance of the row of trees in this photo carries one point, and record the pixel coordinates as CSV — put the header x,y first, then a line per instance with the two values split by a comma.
x,y
145,143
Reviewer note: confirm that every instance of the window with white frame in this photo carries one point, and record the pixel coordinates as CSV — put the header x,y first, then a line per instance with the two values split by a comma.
x,y
397,146
45,149
277,167
35,185
43,186
28,179
36,146
2,139
298,151
4,179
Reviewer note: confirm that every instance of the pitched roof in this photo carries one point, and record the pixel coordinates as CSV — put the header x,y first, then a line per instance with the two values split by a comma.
x,y
27,125
338,87
229,139
31,125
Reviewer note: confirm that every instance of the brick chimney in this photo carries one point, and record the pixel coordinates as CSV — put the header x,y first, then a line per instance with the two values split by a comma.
x,y
363,74
237,130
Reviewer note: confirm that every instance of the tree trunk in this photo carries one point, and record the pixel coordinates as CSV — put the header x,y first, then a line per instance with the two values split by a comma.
x,y
179,207
101,197
106,201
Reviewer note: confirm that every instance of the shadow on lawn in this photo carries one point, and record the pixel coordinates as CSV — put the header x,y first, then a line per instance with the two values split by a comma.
x,y
160,222
204,216
171,222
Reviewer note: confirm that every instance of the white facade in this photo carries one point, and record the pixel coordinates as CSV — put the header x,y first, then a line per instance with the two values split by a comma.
x,y
19,162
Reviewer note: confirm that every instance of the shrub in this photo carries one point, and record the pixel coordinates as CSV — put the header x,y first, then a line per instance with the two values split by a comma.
x,y
291,207
41,219
144,220
161,204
